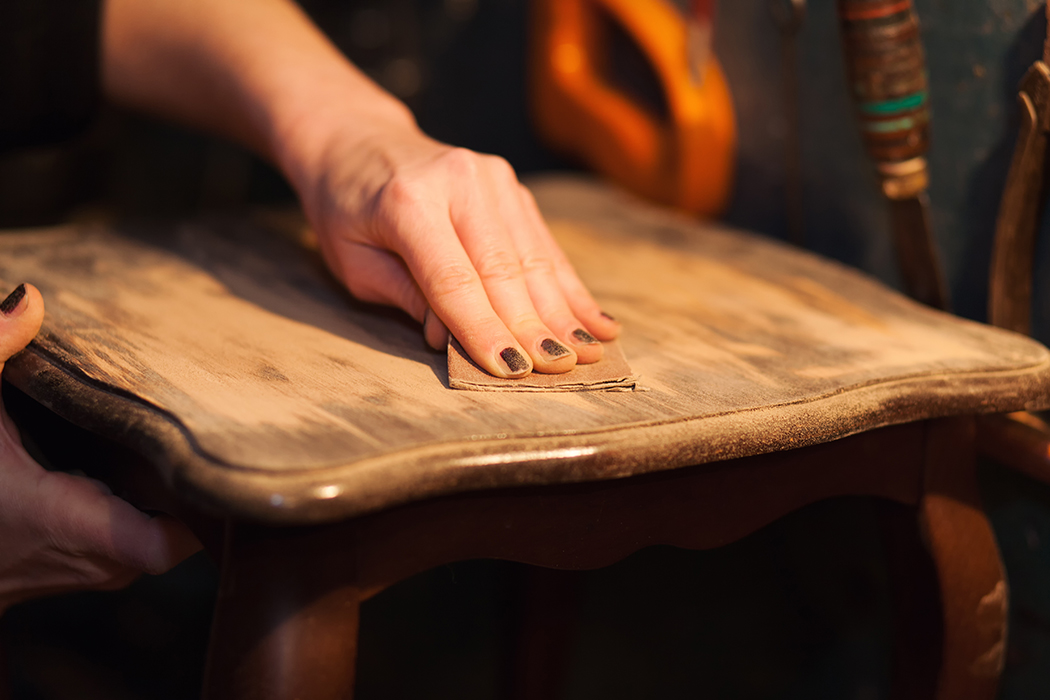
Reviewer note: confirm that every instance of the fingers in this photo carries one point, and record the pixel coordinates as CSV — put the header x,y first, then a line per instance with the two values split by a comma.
x,y
378,276
579,299
525,274
487,271
108,535
488,241
453,287
62,532
21,314
157,545
535,248
434,331
150,544
426,227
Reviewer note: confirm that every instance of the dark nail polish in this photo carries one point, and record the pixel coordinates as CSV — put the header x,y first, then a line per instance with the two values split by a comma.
x,y
13,300
553,348
584,337
515,362
605,315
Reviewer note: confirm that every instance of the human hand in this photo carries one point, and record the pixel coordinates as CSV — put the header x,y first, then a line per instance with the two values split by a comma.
x,y
454,239
446,234
60,532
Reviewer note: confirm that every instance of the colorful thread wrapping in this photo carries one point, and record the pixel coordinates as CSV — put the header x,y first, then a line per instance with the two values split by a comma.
x,y
886,67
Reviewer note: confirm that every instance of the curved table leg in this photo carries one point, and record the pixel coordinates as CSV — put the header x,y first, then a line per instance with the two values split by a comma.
x,y
972,582
286,619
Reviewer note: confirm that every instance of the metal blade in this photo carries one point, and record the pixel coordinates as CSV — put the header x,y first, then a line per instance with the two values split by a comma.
x,y
917,251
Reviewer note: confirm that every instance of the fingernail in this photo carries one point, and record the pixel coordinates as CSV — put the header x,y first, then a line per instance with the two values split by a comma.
x,y
605,315
553,348
8,305
514,360
584,337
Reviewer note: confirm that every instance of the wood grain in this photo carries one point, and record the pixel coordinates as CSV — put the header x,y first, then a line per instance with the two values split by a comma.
x,y
224,352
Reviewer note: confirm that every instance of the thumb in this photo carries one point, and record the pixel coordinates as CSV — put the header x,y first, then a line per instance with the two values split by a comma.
x,y
21,314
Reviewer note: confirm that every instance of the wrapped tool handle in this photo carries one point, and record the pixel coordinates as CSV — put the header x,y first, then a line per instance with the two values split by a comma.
x,y
887,75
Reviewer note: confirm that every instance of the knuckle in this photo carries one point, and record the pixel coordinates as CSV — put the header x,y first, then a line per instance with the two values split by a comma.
x,y
87,576
499,266
451,280
525,319
462,161
538,265
400,197
501,167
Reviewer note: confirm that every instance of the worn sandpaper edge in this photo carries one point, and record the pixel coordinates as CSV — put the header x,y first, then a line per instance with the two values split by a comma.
x,y
627,382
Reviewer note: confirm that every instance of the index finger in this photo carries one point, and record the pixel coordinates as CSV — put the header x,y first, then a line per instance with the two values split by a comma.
x,y
423,235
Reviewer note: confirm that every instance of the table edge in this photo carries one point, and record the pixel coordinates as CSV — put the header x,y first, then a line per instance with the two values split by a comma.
x,y
328,494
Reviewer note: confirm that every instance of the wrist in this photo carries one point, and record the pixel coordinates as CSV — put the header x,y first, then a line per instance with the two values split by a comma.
x,y
338,116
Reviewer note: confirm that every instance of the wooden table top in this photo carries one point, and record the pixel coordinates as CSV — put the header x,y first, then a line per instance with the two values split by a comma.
x,y
224,352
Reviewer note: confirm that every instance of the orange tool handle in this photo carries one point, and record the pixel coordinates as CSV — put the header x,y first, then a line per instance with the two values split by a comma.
x,y
683,157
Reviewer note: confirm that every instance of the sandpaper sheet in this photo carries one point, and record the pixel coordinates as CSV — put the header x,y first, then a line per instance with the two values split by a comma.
x,y
611,373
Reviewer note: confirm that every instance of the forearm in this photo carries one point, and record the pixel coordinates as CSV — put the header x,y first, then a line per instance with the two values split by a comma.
x,y
255,71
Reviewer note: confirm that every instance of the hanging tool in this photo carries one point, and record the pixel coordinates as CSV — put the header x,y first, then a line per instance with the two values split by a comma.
x,y
887,72
1010,288
632,89
789,15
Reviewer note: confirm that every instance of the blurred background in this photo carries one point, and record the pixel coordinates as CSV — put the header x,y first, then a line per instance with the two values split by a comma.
x,y
797,610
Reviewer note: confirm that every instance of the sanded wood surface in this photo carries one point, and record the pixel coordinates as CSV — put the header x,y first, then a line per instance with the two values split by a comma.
x,y
225,352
